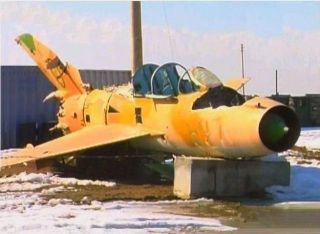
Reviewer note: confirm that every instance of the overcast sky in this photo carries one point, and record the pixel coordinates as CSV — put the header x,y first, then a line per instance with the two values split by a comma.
x,y
95,35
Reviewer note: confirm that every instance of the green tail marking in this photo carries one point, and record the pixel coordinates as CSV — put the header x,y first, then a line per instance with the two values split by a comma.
x,y
27,39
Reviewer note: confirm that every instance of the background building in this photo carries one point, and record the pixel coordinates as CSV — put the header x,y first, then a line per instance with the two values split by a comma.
x,y
307,107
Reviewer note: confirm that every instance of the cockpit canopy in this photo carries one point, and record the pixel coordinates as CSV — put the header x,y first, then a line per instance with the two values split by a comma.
x,y
172,79
168,80
204,78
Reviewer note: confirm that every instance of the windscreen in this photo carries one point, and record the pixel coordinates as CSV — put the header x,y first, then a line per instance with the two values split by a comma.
x,y
204,77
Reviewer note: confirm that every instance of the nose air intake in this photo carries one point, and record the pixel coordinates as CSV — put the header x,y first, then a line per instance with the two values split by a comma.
x,y
279,128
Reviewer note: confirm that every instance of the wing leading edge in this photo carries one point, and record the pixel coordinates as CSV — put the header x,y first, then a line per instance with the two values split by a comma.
x,y
86,138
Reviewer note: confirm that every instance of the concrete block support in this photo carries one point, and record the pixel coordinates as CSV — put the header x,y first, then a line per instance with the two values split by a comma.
x,y
206,177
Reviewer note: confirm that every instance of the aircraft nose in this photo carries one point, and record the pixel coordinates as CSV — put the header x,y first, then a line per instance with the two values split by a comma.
x,y
274,128
279,128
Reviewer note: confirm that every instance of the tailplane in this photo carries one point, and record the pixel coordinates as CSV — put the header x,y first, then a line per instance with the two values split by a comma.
x,y
64,77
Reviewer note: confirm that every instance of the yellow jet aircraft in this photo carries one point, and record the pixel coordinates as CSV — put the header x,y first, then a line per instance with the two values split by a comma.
x,y
166,108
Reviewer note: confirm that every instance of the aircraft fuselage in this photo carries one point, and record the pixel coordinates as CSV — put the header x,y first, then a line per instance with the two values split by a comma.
x,y
225,131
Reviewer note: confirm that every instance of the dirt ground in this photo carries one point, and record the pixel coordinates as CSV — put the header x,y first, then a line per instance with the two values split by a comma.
x,y
144,192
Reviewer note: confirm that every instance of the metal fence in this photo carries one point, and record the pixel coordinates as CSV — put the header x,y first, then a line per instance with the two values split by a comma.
x,y
22,91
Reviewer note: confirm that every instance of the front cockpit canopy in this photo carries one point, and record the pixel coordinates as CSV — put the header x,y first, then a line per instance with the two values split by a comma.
x,y
168,80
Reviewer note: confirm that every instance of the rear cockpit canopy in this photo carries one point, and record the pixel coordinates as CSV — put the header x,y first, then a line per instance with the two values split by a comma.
x,y
168,80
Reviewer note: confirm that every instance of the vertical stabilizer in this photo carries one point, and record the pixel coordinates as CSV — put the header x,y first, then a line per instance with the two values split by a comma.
x,y
65,78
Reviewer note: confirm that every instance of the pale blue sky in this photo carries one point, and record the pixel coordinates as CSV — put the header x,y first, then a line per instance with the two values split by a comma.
x,y
262,18
95,35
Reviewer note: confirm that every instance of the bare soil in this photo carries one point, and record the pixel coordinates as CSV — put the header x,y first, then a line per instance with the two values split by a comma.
x,y
146,192
306,153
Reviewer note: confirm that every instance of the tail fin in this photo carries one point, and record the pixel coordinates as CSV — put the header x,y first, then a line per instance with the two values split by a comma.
x,y
65,78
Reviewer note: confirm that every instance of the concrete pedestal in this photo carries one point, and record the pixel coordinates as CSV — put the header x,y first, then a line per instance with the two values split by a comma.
x,y
206,177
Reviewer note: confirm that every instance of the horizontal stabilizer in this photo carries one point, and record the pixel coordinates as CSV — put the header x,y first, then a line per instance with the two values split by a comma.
x,y
236,83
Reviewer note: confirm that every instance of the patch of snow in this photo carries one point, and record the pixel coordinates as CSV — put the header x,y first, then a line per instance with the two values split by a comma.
x,y
57,201
15,201
24,182
304,174
125,218
7,153
32,181
74,181
298,205
310,138
24,211
53,190
304,184
25,177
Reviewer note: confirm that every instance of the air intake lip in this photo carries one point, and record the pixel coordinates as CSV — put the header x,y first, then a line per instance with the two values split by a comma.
x,y
279,128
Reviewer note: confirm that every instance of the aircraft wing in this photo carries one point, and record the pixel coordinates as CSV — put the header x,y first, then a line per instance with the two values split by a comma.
x,y
86,138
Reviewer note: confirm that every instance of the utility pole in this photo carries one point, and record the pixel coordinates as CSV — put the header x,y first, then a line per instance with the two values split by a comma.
x,y
136,36
277,93
242,67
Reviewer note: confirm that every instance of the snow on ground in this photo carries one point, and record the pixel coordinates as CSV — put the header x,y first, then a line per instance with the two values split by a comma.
x,y
304,182
110,217
26,212
3,153
305,173
32,181
22,210
310,138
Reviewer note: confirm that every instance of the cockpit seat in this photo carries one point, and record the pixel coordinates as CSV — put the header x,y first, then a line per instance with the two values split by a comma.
x,y
165,81
185,86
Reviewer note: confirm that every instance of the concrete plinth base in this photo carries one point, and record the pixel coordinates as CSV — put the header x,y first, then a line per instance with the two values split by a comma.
x,y
203,177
